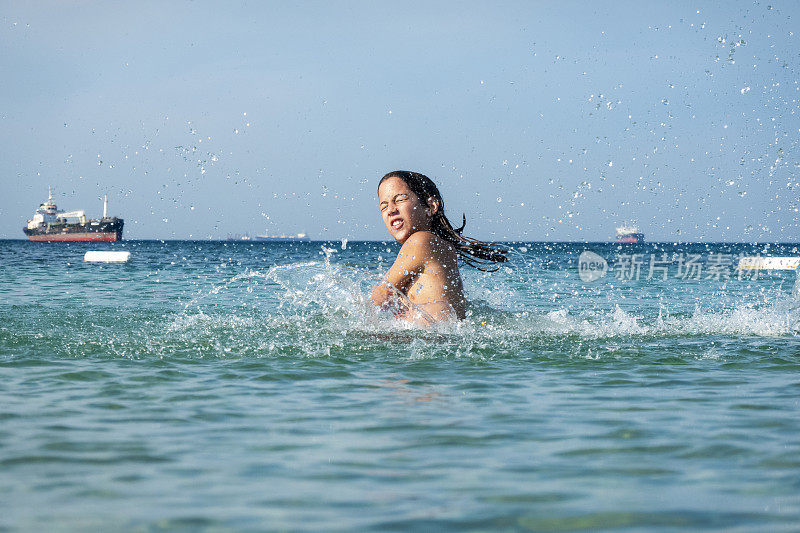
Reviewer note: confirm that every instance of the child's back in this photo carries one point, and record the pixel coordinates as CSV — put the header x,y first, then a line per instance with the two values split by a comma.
x,y
434,285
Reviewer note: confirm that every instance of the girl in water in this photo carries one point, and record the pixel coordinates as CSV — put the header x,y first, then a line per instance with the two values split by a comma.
x,y
424,283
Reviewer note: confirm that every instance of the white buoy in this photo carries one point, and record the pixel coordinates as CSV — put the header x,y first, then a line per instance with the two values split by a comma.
x,y
100,256
769,263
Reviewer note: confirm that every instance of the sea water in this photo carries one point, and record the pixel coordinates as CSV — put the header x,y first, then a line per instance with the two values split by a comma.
x,y
251,386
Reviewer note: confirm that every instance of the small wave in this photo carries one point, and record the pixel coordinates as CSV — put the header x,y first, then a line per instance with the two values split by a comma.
x,y
772,320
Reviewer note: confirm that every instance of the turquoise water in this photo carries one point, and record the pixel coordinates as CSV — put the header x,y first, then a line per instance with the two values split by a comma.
x,y
249,386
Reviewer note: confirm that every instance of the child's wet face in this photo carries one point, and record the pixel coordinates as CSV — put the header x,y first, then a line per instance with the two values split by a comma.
x,y
403,212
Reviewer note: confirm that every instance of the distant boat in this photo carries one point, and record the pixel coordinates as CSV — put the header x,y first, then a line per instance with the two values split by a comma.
x,y
239,237
629,234
50,224
300,237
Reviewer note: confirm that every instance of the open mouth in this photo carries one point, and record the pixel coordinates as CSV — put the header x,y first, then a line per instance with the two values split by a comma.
x,y
397,224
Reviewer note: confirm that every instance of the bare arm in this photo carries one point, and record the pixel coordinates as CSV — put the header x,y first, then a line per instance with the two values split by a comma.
x,y
409,264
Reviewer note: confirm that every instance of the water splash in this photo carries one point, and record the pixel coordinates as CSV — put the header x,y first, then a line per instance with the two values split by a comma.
x,y
321,309
537,308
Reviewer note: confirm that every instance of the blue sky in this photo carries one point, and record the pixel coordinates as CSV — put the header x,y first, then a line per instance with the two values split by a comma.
x,y
539,120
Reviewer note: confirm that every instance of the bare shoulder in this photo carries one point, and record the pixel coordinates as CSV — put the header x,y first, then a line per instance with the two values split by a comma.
x,y
420,239
427,244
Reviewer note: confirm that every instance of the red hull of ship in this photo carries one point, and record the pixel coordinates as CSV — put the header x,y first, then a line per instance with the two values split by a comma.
x,y
74,237
628,239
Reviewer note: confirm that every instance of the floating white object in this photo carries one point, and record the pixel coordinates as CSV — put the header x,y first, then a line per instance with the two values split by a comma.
x,y
99,256
769,263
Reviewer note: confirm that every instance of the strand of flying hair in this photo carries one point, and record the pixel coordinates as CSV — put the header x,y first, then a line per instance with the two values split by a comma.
x,y
477,254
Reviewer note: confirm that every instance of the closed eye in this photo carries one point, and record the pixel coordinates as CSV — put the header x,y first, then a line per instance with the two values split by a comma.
x,y
397,199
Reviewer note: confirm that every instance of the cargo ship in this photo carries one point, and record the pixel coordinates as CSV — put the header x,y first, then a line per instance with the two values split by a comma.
x,y
50,224
629,234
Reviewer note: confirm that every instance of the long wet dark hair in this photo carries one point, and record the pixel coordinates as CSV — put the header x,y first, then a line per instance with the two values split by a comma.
x,y
481,255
